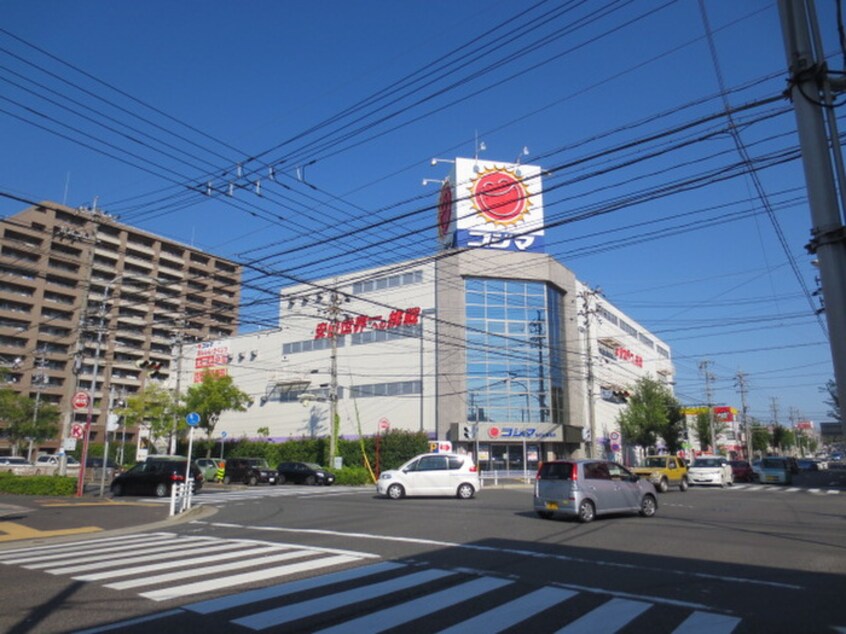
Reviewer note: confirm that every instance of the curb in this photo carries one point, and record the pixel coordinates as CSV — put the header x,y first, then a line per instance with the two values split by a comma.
x,y
197,512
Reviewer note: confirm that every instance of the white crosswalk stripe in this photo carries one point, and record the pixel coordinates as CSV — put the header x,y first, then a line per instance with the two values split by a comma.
x,y
166,566
777,488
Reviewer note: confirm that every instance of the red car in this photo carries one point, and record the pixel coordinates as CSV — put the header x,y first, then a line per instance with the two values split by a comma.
x,y
741,470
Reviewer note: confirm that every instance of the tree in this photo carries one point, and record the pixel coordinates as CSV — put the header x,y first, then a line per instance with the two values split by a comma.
x,y
213,396
652,412
23,424
781,437
760,439
152,407
832,401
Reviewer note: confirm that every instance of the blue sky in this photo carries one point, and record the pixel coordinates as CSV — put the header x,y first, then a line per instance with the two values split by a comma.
x,y
147,106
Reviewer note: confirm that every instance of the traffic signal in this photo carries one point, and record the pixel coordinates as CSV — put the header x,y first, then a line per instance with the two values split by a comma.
x,y
152,368
469,432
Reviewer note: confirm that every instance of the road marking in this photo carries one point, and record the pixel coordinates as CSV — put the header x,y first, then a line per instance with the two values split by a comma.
x,y
424,606
707,623
609,617
304,609
515,551
509,614
16,532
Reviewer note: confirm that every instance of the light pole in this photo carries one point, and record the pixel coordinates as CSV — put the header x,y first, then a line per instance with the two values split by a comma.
x,y
510,380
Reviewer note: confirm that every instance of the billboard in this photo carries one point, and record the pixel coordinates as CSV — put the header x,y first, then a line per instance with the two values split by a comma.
x,y
491,205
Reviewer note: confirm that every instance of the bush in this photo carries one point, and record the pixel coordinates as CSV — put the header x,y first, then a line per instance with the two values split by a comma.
x,y
352,476
37,485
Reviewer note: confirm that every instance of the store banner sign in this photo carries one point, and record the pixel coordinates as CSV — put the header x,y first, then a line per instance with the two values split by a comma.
x,y
493,206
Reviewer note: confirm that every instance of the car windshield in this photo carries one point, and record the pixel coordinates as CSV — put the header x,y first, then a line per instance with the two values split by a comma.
x,y
258,462
706,462
313,466
658,463
773,464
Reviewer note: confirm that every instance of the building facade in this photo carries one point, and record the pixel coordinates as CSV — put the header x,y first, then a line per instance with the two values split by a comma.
x,y
502,354
85,301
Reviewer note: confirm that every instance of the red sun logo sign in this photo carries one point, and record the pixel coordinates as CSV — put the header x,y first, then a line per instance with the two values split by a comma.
x,y
493,432
500,196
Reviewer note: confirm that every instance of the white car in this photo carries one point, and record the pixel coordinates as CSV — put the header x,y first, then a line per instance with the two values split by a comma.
x,y
53,460
431,474
711,470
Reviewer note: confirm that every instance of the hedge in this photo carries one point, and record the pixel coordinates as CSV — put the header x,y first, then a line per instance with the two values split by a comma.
x,y
37,485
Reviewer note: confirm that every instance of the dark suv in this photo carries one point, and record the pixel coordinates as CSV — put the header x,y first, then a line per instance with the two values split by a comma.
x,y
249,471
155,476
304,473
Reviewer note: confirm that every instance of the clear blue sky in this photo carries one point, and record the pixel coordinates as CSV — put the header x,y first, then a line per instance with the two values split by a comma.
x,y
359,96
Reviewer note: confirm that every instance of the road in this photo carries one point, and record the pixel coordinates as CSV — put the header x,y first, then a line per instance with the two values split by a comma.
x,y
744,559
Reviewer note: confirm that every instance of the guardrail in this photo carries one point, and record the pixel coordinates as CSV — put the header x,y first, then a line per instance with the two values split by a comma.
x,y
181,496
506,476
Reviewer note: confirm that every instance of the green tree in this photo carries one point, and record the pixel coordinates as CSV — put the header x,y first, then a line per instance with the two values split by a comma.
x,y
23,424
782,437
652,413
832,401
760,439
703,430
213,396
154,408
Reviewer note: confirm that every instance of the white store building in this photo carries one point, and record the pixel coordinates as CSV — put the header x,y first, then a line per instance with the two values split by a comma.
x,y
489,344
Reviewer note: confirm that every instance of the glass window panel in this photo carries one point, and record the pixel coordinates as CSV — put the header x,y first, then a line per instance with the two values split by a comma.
x,y
495,299
515,288
476,384
535,288
477,369
516,314
517,327
497,327
474,285
498,369
536,301
495,286
474,298
476,324
475,312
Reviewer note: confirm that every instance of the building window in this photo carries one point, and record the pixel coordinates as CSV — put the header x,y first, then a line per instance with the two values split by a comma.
x,y
398,388
513,351
310,345
392,281
627,328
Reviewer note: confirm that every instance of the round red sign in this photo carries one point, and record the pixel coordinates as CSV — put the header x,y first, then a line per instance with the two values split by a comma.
x,y
80,400
444,210
500,196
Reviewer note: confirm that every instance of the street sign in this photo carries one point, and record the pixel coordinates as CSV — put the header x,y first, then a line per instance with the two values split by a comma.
x,y
223,434
80,400
77,431
193,419
384,424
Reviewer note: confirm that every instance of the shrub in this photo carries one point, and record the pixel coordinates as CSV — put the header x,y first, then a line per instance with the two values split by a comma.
x,y
37,485
352,476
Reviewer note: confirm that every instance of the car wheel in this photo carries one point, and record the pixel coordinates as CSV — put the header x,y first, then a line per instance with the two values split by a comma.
x,y
544,515
117,490
395,491
227,479
663,485
684,485
310,480
280,479
587,511
161,490
466,491
648,506
252,481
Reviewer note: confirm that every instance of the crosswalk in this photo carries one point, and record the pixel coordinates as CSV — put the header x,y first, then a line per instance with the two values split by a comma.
x,y
208,497
362,594
775,488
163,566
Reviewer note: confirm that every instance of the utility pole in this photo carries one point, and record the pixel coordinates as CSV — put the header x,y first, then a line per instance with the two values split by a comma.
x,y
39,378
774,412
106,443
811,91
741,384
709,401
334,310
587,311
178,340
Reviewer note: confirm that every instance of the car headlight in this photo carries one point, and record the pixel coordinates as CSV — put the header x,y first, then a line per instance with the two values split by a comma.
x,y
385,476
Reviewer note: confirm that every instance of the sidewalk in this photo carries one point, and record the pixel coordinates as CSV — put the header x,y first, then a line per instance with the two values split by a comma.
x,y
33,519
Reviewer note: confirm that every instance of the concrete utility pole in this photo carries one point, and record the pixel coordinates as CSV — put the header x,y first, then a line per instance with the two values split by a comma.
x,y
774,412
709,400
811,91
741,384
334,310
587,311
39,378
179,338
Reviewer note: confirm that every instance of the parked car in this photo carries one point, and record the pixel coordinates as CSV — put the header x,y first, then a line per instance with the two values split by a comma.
x,y
97,463
209,467
52,459
431,474
303,473
741,470
774,470
14,461
664,472
583,489
155,476
250,471
711,470
807,464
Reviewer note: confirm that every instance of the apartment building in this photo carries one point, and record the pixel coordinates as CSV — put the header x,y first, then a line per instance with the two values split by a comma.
x,y
86,300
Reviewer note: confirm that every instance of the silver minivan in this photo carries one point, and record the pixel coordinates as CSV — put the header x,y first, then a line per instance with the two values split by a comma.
x,y
586,488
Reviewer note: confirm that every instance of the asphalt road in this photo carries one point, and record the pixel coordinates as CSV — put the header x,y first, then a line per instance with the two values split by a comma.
x,y
747,559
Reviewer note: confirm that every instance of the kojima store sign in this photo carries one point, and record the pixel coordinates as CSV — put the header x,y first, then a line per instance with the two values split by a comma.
x,y
522,432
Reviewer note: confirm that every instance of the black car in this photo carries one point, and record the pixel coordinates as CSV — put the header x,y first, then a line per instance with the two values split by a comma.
x,y
155,476
249,471
304,473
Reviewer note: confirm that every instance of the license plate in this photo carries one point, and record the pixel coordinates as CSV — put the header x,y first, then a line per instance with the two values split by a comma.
x,y
552,506
271,479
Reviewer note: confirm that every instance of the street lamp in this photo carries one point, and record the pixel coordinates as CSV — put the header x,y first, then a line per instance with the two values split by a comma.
x,y
510,380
